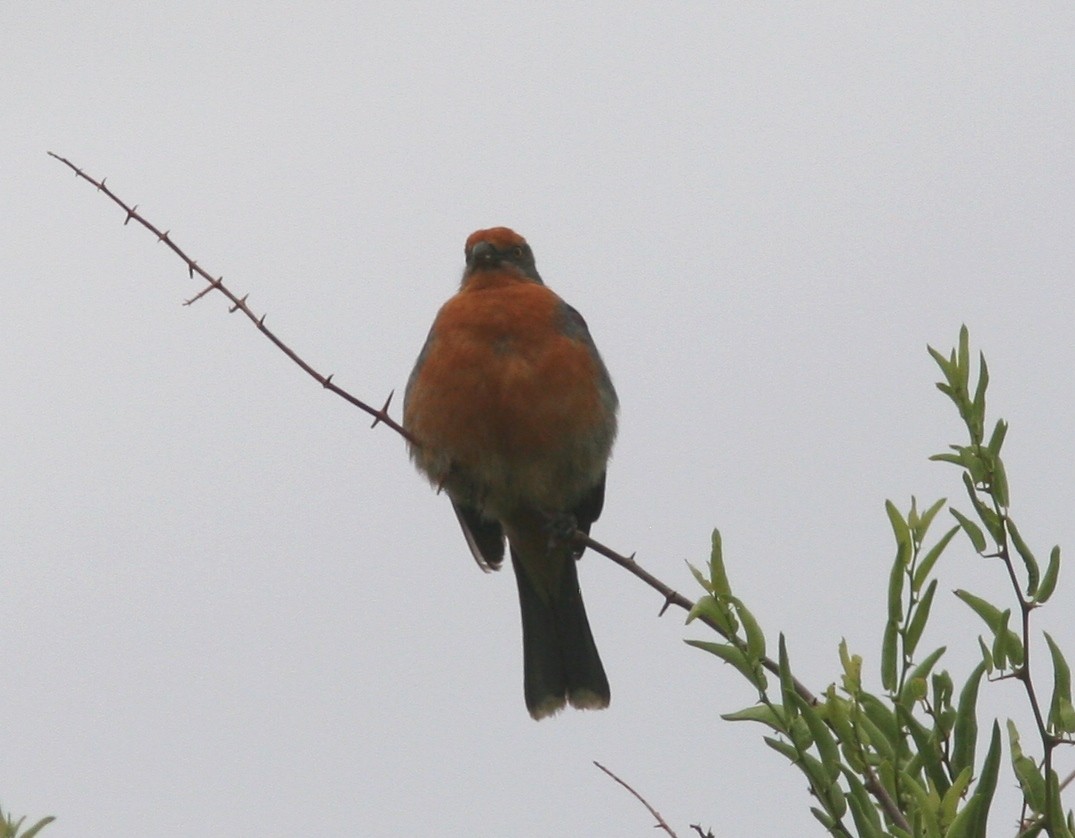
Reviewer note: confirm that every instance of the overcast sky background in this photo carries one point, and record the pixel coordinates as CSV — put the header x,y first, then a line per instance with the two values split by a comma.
x,y
228,607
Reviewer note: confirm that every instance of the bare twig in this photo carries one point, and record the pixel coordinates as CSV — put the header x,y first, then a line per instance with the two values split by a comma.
x,y
661,823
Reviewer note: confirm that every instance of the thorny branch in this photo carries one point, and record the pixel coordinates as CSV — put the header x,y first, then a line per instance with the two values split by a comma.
x,y
381,417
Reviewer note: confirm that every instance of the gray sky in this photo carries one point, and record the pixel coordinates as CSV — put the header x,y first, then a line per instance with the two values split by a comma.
x,y
228,606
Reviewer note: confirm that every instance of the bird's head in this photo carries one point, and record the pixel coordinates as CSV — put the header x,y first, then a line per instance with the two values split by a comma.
x,y
499,249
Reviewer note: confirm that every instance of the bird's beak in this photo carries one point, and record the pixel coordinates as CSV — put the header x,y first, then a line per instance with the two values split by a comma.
x,y
483,252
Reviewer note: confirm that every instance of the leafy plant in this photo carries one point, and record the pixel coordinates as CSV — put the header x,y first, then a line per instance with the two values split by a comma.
x,y
10,828
903,761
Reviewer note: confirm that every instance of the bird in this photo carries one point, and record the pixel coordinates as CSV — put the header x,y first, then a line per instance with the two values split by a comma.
x,y
511,412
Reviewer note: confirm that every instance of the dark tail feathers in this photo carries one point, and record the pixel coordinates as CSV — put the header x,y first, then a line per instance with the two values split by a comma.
x,y
560,660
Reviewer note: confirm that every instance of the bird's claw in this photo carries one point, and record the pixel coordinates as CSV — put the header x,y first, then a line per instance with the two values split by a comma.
x,y
561,527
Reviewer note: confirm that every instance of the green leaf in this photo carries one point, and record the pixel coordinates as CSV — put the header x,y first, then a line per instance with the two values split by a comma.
x,y
799,733
942,690
886,774
824,818
913,519
1001,639
900,530
929,750
895,587
718,577
863,811
870,735
924,805
1000,430
963,364
883,719
926,520
767,714
1054,810
815,771
1031,564
1027,773
787,681
973,531
834,797
918,620
999,484
987,611
37,827
950,801
978,405
782,747
990,520
1048,581
808,764
965,732
965,823
1061,712
928,663
987,782
945,457
930,559
997,620
822,736
973,464
919,674
944,363
729,654
700,578
754,636
837,713
987,656
889,655
852,666
716,612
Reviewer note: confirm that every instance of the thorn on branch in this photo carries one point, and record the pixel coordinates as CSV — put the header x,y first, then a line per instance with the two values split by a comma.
x,y
131,213
669,600
190,268
328,380
163,237
382,414
101,185
238,305
261,321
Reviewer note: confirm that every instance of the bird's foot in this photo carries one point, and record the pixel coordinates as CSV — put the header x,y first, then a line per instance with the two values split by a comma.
x,y
561,527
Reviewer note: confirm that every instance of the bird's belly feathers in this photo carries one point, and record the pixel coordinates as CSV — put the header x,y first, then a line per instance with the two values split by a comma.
x,y
506,417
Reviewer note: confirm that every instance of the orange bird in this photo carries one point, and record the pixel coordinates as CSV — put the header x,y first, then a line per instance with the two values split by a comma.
x,y
514,415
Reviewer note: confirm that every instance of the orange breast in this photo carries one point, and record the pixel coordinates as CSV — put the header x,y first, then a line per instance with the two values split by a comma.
x,y
505,396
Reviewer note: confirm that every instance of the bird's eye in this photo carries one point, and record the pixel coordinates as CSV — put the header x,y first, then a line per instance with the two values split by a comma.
x,y
517,252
